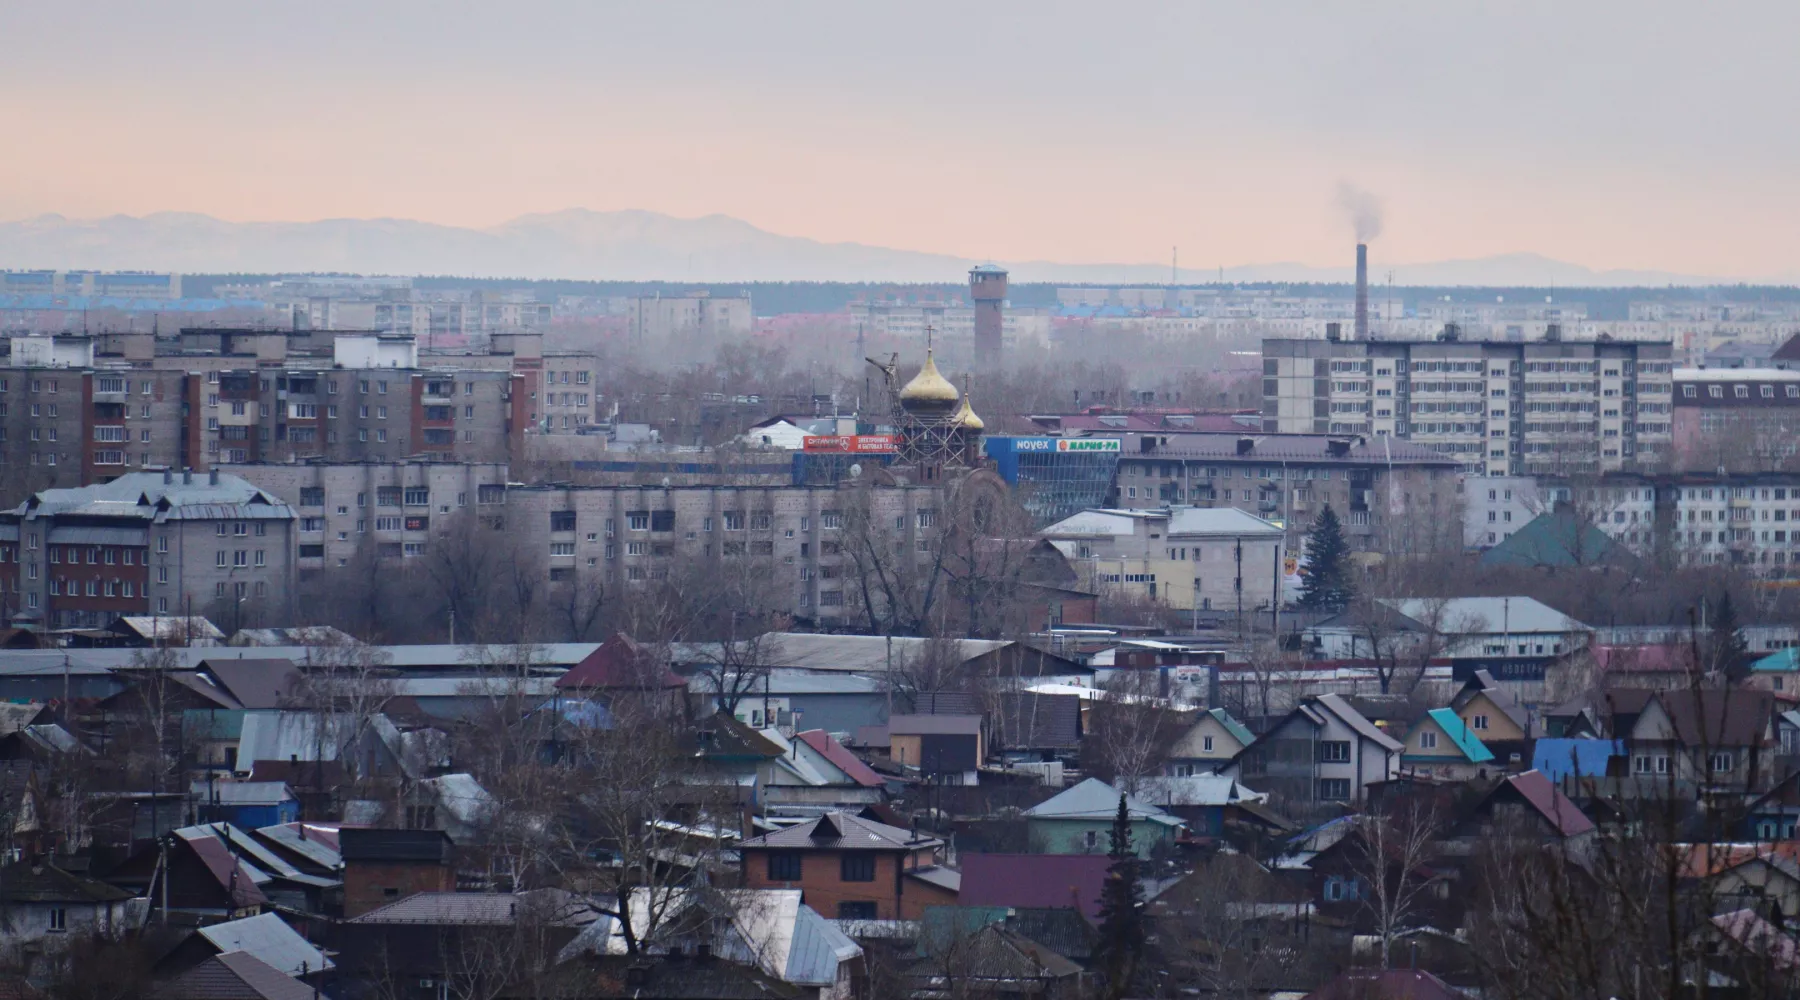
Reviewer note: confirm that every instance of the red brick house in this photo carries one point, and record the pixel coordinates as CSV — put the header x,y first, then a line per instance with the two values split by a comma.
x,y
852,868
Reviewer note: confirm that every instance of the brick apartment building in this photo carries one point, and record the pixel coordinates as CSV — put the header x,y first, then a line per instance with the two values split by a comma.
x,y
148,543
82,410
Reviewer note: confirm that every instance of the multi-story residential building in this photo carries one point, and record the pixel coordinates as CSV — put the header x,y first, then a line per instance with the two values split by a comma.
x,y
1499,407
393,506
1385,491
79,410
1497,506
105,284
160,543
1185,557
652,319
1740,419
789,540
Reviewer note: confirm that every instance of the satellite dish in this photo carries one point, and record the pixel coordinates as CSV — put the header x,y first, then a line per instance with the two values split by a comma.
x,y
855,470
665,482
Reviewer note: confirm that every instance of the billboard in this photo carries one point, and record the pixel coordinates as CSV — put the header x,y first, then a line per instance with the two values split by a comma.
x,y
854,443
1065,444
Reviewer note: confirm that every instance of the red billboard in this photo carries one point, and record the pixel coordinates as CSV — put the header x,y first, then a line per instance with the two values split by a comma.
x,y
865,443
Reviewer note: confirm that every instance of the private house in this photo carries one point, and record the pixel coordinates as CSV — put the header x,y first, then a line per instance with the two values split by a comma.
x,y
45,904
1491,711
949,745
206,879
620,671
1211,742
248,804
836,703
850,868
1778,673
265,936
1717,738
1322,753
435,935
236,975
385,866
1441,745
768,929
813,771
1080,820
1775,814
1527,803
1205,802
1003,961
1035,881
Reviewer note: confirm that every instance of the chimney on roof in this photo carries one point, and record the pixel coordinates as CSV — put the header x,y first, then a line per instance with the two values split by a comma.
x,y
1334,332
187,476
214,476
168,476
1553,332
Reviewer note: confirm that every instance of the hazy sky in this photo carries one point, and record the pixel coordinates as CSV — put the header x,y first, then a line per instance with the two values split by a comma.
x,y
1653,135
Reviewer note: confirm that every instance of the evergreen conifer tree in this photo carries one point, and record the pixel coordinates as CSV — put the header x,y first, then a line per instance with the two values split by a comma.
x,y
1325,580
1730,653
1121,909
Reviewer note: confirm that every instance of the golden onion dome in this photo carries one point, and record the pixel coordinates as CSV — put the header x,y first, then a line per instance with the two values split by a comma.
x,y
928,390
965,415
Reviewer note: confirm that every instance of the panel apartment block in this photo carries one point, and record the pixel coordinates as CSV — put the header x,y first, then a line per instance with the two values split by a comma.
x,y
1498,407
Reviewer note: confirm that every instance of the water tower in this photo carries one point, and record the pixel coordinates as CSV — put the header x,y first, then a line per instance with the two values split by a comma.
x,y
987,286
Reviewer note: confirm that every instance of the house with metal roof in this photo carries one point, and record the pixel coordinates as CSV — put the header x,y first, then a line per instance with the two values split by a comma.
x,y
853,868
236,975
1441,745
1213,739
1323,753
815,774
265,936
1079,820
1159,553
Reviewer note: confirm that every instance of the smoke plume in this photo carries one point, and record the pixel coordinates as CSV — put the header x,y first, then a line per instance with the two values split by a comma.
x,y
1363,210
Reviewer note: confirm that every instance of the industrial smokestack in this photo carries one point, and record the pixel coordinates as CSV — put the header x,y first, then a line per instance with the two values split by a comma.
x,y
1362,291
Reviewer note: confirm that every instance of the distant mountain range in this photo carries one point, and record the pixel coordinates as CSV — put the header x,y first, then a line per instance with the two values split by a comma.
x,y
648,246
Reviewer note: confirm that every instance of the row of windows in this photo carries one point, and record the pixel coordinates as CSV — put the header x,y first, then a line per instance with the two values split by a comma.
x,y
1740,392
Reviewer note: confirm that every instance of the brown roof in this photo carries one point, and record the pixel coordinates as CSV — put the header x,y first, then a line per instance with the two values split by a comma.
x,y
846,761
1564,816
1043,881
235,975
256,684
1719,717
842,832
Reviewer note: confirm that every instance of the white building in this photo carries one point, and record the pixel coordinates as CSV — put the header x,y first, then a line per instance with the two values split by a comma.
x,y
1218,558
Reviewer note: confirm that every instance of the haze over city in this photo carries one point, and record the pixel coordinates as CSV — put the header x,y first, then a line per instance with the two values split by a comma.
x,y
899,501
1642,137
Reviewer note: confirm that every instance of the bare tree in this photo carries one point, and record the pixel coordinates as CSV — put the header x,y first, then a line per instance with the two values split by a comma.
x,y
1131,728
1391,860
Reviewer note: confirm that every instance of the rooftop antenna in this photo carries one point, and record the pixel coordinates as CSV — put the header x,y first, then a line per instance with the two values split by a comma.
x,y
1174,265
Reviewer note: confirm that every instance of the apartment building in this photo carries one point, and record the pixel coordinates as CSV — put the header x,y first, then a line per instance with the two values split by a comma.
x,y
786,542
80,410
1391,495
652,319
1185,557
1498,407
394,506
148,543
1740,419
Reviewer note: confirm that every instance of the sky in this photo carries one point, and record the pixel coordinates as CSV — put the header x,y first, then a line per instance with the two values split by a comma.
x,y
1618,135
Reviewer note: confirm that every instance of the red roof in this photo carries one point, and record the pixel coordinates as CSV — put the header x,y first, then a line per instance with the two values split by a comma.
x,y
1036,881
620,664
1562,814
846,761
224,867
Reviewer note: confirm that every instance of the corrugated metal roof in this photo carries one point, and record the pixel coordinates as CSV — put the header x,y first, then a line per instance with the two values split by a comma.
x,y
235,976
241,793
94,535
271,941
1095,799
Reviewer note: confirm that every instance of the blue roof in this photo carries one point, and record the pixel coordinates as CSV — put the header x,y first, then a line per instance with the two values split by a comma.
x,y
1460,734
1780,660
1559,758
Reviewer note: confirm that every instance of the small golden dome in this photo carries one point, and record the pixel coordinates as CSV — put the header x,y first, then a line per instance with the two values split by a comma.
x,y
965,415
929,389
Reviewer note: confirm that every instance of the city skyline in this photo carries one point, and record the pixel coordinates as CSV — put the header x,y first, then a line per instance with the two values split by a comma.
x,y
1619,138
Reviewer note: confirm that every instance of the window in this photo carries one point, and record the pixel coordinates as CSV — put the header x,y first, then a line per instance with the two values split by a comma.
x,y
219,558
852,909
1339,888
1206,744
59,919
312,524
1090,839
260,560
162,544
734,520
637,520
418,496
1722,762
784,866
307,552
662,520
241,557
1427,740
1478,722
387,496
857,867
562,520
1650,764
1334,752
567,548
927,517
1334,789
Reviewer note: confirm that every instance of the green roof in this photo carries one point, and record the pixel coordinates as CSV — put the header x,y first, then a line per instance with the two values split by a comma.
x,y
1558,539
1233,726
1459,734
